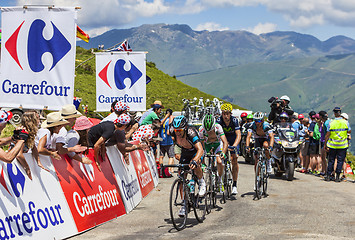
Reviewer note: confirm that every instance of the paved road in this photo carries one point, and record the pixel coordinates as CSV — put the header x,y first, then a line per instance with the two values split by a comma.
x,y
307,208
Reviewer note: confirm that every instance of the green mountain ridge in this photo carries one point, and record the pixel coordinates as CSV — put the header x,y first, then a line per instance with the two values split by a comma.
x,y
162,87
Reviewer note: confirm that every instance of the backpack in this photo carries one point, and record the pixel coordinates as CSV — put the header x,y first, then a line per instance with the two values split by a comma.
x,y
163,171
316,133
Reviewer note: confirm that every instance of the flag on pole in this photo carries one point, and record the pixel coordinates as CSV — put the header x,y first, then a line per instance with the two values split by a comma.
x,y
124,46
81,34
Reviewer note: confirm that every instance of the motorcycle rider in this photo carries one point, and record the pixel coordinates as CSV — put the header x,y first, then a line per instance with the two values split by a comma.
x,y
264,137
231,129
279,106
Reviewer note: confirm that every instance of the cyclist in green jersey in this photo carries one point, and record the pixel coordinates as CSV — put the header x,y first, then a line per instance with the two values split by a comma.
x,y
213,137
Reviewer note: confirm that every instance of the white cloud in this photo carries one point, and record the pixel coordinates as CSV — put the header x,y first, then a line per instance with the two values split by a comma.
x,y
115,13
263,28
210,26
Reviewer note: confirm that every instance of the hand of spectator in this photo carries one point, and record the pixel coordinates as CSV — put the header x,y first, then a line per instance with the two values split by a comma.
x,y
20,134
143,146
56,156
78,148
85,160
98,165
126,158
41,166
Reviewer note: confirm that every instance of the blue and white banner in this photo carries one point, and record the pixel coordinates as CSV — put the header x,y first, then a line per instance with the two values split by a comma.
x,y
37,57
121,76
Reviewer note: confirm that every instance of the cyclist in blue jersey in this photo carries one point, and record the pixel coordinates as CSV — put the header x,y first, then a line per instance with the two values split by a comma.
x,y
263,135
191,150
231,129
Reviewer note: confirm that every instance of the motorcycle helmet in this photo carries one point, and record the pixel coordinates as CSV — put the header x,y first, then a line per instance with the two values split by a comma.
x,y
208,122
258,116
179,122
244,114
285,97
227,107
283,115
250,116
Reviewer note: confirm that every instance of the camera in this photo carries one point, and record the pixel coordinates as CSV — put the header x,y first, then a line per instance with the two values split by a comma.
x,y
274,101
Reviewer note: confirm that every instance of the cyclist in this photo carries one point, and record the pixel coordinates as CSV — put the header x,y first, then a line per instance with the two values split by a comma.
x,y
231,129
191,150
213,137
263,135
243,118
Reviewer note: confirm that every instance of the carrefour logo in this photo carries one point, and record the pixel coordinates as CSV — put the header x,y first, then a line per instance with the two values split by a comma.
x,y
120,74
17,180
58,46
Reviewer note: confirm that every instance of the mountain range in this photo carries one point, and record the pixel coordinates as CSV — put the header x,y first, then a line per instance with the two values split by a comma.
x,y
179,50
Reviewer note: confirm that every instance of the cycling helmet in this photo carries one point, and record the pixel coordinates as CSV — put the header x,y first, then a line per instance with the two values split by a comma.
x,y
244,114
250,116
258,116
208,122
283,115
285,97
180,122
227,107
300,116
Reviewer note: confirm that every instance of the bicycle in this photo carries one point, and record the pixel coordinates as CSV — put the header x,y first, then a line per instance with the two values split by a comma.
x,y
212,182
227,175
184,195
261,175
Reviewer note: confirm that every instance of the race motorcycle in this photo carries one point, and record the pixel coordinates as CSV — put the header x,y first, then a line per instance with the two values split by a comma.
x,y
286,149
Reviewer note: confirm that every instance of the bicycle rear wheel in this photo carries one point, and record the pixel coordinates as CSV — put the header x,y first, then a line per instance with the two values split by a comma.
x,y
258,181
178,204
209,202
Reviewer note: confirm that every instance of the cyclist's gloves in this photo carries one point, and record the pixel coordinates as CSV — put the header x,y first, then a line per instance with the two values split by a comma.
x,y
193,162
270,148
223,155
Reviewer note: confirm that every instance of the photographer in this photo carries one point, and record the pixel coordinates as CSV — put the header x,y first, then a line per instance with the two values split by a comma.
x,y
278,106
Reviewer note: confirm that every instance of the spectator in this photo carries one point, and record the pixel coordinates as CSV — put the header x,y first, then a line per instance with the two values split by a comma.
x,y
67,139
154,115
336,142
145,114
323,131
313,150
305,146
30,121
117,108
346,117
82,126
106,131
44,139
19,137
167,144
132,126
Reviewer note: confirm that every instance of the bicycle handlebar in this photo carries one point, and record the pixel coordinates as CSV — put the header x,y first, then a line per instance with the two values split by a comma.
x,y
177,165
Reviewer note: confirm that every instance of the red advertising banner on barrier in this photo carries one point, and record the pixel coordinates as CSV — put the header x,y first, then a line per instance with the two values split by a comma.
x,y
93,196
143,172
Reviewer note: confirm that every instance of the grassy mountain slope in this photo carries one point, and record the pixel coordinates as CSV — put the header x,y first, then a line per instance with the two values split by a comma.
x,y
162,87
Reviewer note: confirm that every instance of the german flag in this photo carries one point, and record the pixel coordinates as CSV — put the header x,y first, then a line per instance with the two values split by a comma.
x,y
81,34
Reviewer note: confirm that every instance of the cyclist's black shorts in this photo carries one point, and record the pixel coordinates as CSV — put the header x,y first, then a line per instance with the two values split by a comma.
x,y
187,156
259,142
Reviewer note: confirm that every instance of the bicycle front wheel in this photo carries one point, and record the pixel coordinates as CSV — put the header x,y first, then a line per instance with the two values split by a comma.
x,y
258,181
178,204
265,177
200,206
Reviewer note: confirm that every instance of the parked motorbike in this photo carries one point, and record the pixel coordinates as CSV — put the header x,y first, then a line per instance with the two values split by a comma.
x,y
286,149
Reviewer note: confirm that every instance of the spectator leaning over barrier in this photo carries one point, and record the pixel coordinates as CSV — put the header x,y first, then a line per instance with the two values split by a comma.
x,y
68,138
146,113
132,126
336,142
44,138
117,108
82,126
119,137
30,121
19,138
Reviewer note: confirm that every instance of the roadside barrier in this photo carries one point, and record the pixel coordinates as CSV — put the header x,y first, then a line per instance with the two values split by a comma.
x,y
72,197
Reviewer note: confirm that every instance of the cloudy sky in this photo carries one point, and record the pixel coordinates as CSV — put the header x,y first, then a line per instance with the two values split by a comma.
x,y
321,18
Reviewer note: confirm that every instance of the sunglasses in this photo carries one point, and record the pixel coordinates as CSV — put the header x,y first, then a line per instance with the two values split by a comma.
x,y
258,121
179,130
